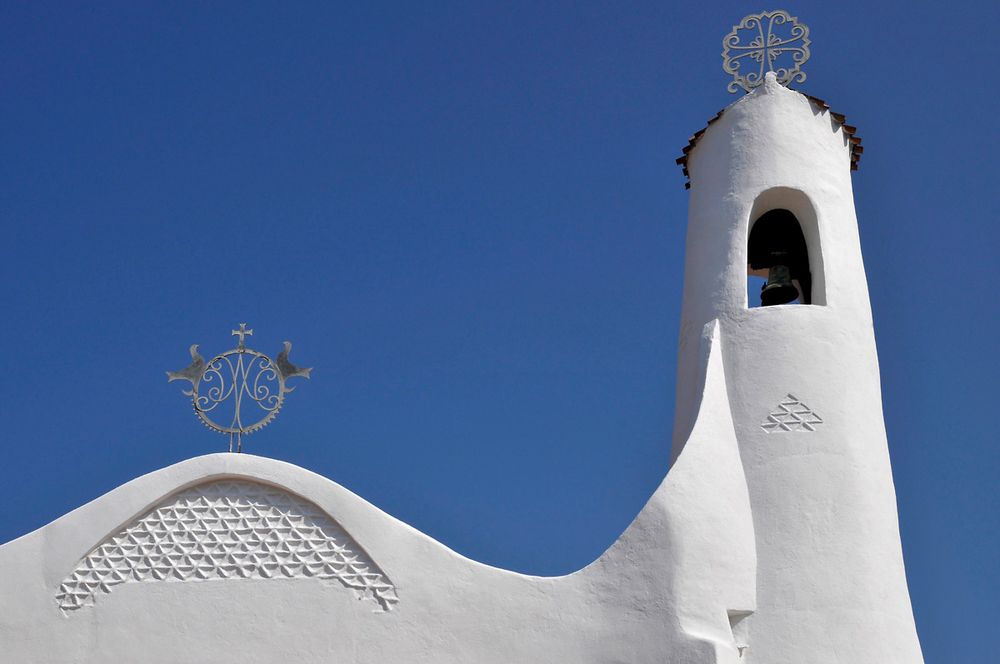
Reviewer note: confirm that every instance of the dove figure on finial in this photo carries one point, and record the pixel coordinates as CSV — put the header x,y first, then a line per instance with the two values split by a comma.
x,y
191,373
288,369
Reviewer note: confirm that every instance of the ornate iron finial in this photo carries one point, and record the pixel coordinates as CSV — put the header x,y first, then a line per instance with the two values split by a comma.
x,y
234,375
772,36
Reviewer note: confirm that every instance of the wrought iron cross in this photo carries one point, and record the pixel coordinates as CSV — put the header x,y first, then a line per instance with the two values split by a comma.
x,y
777,42
240,376
242,332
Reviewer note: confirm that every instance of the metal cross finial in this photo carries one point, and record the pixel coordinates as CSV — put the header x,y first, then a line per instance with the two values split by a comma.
x,y
777,42
236,378
242,332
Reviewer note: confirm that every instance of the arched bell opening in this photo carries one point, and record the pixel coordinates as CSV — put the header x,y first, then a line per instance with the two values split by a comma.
x,y
778,260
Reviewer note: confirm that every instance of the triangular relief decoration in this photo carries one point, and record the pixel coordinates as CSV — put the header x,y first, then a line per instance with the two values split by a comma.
x,y
791,415
228,529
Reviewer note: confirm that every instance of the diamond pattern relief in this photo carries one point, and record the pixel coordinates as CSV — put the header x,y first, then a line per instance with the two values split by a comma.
x,y
791,415
228,529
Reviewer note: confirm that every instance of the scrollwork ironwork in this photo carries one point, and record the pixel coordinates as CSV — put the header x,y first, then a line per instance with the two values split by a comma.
x,y
777,42
237,374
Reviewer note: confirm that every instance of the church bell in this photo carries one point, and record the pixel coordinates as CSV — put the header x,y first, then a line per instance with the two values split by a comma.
x,y
779,288
776,244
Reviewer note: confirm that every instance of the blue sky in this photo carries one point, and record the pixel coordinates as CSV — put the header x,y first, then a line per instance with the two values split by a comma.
x,y
467,218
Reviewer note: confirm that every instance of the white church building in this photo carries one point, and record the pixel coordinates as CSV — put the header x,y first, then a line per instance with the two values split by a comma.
x,y
773,538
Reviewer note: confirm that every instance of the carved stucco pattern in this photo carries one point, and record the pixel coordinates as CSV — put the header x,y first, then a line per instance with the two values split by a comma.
x,y
791,415
229,529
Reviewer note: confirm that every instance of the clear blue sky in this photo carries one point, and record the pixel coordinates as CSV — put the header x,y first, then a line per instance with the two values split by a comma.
x,y
468,219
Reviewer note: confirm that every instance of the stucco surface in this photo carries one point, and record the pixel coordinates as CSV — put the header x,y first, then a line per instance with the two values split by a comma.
x,y
830,579
773,539
207,561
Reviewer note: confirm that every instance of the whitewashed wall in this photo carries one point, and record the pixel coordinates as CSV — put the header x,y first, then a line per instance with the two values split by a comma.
x,y
236,558
830,579
764,544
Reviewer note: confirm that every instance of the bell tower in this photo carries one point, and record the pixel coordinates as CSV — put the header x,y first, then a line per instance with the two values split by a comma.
x,y
771,197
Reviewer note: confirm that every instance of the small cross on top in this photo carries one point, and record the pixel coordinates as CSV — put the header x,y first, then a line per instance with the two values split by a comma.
x,y
242,332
